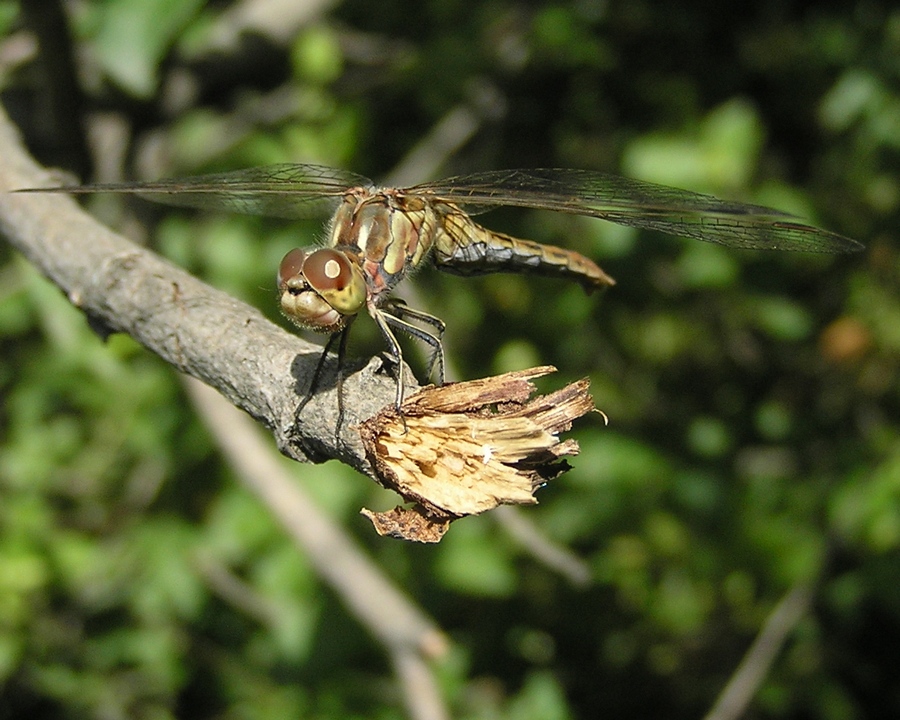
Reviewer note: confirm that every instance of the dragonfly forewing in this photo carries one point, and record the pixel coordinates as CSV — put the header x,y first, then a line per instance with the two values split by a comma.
x,y
639,204
290,191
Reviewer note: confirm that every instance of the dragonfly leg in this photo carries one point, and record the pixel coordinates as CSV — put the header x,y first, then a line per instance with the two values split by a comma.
x,y
388,321
340,338
402,312
341,356
384,322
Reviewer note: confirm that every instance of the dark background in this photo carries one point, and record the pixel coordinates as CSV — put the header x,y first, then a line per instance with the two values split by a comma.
x,y
753,397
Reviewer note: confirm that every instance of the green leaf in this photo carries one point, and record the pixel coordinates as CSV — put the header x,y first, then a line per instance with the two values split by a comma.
x,y
541,698
135,35
780,317
721,156
8,12
317,56
469,562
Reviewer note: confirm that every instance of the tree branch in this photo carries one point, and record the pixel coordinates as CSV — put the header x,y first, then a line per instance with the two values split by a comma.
x,y
202,331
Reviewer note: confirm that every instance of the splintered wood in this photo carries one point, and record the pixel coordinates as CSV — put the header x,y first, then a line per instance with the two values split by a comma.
x,y
465,448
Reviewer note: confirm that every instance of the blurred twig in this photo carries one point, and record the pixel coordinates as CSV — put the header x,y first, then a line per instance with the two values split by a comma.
x,y
236,592
447,136
277,20
407,634
732,703
552,555
420,691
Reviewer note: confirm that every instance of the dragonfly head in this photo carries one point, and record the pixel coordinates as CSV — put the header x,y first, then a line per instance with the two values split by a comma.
x,y
321,289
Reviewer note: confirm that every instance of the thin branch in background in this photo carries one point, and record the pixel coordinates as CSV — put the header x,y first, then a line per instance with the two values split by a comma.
x,y
447,136
552,555
735,698
277,20
408,635
421,693
236,592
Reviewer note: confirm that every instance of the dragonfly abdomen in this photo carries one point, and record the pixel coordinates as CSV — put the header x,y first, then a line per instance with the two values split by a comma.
x,y
466,248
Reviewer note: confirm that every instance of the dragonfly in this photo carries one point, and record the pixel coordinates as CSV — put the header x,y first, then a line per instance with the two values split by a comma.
x,y
379,235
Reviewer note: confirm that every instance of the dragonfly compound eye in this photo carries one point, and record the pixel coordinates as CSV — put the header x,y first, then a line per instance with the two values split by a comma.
x,y
291,266
327,269
337,279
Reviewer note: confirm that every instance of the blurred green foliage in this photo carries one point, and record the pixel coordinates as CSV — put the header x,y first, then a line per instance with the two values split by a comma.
x,y
131,39
754,436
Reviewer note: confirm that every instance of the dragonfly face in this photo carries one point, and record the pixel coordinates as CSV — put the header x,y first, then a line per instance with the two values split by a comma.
x,y
377,235
320,289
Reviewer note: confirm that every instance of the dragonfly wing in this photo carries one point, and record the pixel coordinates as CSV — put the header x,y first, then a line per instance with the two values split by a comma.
x,y
639,204
290,191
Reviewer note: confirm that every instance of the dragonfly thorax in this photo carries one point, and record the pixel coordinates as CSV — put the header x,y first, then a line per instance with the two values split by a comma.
x,y
391,232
